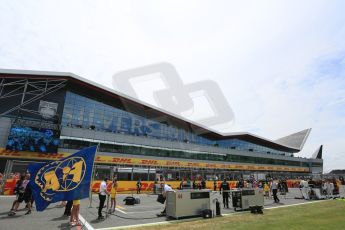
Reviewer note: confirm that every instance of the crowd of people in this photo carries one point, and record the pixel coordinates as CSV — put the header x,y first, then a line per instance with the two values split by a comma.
x,y
192,184
24,194
271,188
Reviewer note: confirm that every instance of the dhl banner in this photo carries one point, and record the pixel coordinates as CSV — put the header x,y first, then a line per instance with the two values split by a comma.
x,y
101,159
146,186
4,153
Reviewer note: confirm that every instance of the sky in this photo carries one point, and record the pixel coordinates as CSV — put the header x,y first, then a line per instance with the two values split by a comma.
x,y
279,64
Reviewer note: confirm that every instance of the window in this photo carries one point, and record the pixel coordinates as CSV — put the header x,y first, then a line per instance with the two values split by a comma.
x,y
83,112
134,150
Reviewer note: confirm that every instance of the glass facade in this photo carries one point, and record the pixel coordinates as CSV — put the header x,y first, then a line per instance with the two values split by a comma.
x,y
135,150
83,112
314,164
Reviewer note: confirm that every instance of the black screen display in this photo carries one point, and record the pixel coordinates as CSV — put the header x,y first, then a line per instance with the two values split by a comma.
x,y
199,195
33,139
248,192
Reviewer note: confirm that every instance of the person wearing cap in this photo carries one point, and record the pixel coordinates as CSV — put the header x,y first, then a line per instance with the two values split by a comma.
x,y
102,197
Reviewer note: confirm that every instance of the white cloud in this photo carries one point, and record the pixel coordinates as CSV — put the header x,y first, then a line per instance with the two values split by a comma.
x,y
265,55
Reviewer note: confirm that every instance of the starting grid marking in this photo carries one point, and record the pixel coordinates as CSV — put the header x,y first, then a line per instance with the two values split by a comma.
x,y
120,210
85,223
141,225
141,212
197,218
289,205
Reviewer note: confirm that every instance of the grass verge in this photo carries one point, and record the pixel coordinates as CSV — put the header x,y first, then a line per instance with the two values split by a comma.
x,y
327,215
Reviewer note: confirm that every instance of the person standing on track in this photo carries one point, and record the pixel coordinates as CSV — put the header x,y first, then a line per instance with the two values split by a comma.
x,y
203,183
28,199
19,191
165,188
225,187
274,188
240,183
266,190
113,196
138,186
74,220
68,208
24,194
102,197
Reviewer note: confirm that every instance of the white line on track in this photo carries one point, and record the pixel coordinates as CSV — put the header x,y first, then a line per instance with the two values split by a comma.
x,y
85,223
120,211
149,206
282,206
289,205
139,225
143,211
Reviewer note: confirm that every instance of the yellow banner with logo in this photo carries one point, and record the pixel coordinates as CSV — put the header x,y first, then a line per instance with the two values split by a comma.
x,y
102,159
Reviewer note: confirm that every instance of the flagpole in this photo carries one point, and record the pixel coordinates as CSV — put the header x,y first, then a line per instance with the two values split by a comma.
x,y
93,177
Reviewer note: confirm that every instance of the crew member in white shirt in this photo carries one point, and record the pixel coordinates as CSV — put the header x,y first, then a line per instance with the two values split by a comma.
x,y
274,188
166,188
305,189
102,197
330,189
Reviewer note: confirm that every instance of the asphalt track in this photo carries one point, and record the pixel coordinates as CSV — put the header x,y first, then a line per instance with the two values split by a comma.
x,y
125,216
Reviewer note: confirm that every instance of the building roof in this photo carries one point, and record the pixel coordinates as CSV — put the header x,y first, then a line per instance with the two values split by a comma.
x,y
295,140
318,153
291,143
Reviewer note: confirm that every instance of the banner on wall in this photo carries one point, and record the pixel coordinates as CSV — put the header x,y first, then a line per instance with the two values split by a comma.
x,y
152,162
146,186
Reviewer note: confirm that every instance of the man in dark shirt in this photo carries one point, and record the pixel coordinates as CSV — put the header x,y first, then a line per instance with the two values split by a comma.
x,y
68,208
225,187
138,186
203,184
240,183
